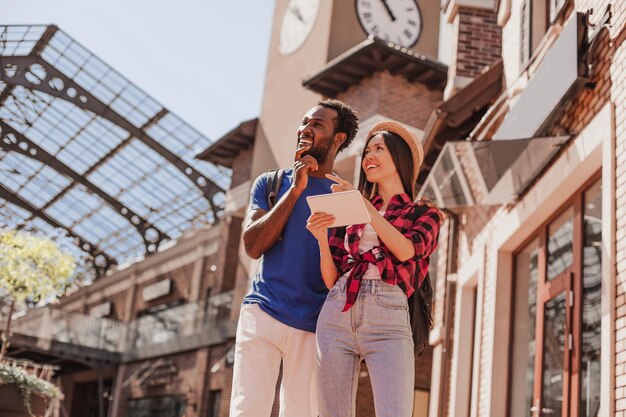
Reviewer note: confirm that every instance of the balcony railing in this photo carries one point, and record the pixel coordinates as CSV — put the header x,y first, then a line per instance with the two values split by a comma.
x,y
180,321
116,336
76,329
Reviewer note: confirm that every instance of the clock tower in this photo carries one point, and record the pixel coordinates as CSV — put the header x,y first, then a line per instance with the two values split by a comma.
x,y
306,36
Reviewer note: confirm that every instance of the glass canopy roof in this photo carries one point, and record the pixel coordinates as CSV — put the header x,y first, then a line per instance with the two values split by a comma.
x,y
85,150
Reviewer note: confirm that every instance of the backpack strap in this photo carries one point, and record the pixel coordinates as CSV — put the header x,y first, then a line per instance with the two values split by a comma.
x,y
274,181
421,302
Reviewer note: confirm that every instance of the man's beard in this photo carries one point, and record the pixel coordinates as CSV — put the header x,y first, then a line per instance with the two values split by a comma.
x,y
321,151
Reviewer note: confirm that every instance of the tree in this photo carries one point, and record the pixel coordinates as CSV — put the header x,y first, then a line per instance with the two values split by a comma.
x,y
33,270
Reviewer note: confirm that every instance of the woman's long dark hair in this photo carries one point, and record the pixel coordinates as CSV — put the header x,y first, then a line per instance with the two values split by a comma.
x,y
402,159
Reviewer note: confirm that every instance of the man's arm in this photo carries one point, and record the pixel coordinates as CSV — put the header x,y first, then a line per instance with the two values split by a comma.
x,y
262,228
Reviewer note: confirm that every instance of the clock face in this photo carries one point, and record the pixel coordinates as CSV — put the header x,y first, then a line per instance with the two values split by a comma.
x,y
397,21
297,23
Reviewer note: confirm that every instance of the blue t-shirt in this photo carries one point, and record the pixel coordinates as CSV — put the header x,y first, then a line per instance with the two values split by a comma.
x,y
288,284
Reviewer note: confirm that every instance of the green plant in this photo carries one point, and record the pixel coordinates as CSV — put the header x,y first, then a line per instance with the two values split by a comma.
x,y
28,384
33,269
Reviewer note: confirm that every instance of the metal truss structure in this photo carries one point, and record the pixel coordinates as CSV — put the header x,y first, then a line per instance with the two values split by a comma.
x,y
85,150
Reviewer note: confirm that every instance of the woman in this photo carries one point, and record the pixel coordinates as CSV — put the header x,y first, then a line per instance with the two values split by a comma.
x,y
371,270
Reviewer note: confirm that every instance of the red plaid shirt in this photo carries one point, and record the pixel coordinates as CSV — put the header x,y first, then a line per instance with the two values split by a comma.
x,y
419,223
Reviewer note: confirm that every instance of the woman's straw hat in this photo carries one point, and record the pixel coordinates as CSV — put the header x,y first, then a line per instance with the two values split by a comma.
x,y
414,144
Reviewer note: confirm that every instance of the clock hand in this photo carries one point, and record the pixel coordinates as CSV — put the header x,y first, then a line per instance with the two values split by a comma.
x,y
391,15
296,13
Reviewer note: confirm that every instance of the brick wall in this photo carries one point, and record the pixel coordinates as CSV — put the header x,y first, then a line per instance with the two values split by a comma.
x,y
423,369
181,283
181,375
407,102
616,77
479,41
364,97
242,167
393,96
476,43
210,275
480,226
218,378
228,259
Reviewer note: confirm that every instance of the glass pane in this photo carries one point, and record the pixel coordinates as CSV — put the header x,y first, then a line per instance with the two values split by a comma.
x,y
592,291
553,355
447,181
524,320
560,240
156,407
215,398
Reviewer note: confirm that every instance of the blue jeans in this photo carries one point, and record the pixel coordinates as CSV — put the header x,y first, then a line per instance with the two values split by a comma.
x,y
376,329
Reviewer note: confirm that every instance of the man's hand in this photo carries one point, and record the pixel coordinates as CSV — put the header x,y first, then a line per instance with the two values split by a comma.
x,y
301,167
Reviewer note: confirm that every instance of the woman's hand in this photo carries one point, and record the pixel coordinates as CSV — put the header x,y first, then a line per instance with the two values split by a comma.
x,y
341,184
318,224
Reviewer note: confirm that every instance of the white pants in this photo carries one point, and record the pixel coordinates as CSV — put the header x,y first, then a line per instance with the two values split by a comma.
x,y
262,342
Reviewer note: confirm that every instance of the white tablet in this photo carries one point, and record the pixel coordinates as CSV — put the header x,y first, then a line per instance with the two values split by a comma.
x,y
348,207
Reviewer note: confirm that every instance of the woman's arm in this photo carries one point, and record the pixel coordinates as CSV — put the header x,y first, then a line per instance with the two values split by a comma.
x,y
401,247
425,231
318,224
327,266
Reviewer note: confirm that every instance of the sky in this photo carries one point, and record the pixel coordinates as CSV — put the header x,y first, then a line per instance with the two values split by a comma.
x,y
204,60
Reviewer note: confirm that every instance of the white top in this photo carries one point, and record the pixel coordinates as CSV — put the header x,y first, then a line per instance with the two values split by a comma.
x,y
368,240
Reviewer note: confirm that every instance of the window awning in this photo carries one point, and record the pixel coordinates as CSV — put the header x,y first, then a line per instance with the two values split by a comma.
x,y
224,150
500,170
489,172
373,55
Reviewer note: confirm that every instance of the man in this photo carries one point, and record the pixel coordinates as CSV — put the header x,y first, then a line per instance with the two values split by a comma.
x,y
279,314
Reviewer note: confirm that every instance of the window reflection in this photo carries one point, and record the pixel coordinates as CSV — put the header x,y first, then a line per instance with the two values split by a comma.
x,y
591,302
166,322
527,271
553,354
448,183
560,244
156,407
160,324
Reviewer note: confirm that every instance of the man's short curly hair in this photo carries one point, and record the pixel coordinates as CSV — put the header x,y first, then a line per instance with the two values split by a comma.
x,y
347,120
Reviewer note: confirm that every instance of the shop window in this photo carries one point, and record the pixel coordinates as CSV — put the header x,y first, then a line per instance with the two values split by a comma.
x,y
556,324
554,344
560,244
215,398
156,407
525,312
86,398
591,302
